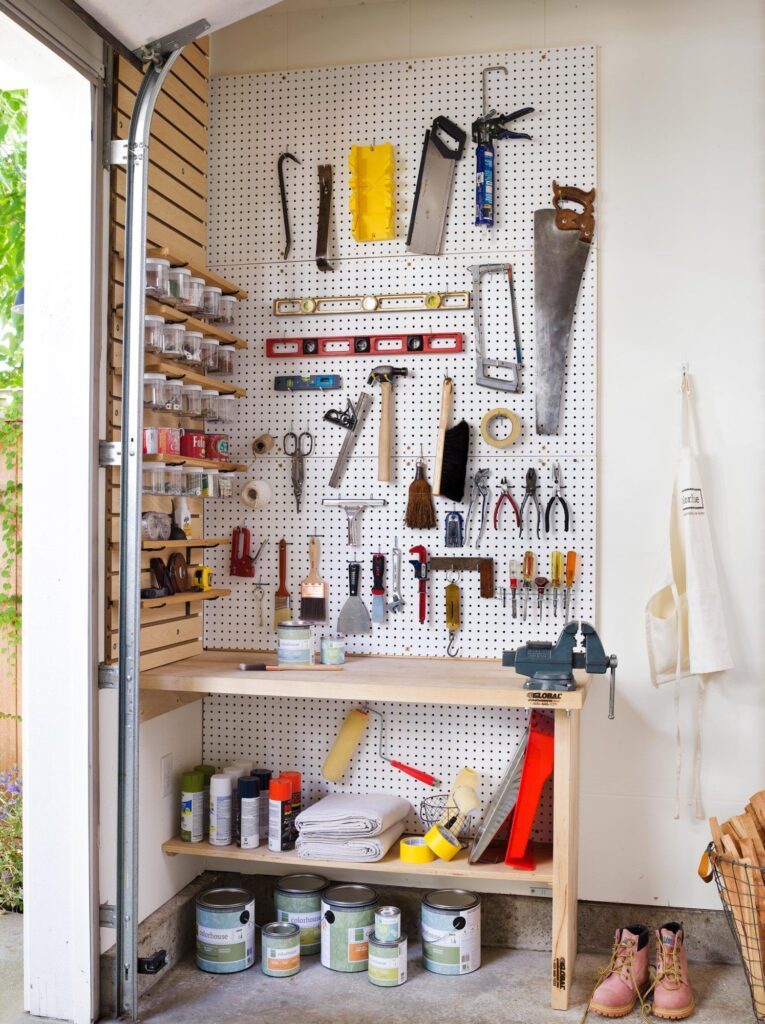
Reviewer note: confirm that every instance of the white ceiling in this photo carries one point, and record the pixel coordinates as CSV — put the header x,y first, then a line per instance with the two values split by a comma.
x,y
135,22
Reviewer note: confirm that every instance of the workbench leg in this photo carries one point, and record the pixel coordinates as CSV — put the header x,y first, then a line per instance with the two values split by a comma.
x,y
565,855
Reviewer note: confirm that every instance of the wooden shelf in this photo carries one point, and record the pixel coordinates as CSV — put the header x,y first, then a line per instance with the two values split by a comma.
x,y
390,870
187,460
180,545
407,680
173,315
228,287
178,371
189,595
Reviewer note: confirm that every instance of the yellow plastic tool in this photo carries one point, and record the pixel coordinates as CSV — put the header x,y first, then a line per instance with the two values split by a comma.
x,y
371,202
527,569
572,564
452,594
556,575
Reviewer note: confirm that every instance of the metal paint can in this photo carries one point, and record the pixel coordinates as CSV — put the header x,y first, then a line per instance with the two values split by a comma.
x,y
451,931
333,650
193,444
297,899
387,961
169,440
225,931
347,921
151,440
280,949
217,447
387,924
293,642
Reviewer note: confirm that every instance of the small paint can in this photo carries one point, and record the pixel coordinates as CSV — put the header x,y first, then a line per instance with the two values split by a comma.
x,y
387,961
169,439
387,924
280,949
297,899
451,931
293,642
151,440
225,931
333,650
193,444
347,921
217,447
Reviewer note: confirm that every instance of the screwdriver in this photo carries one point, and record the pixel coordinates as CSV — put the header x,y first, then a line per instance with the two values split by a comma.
x,y
515,573
556,572
572,563
540,583
529,564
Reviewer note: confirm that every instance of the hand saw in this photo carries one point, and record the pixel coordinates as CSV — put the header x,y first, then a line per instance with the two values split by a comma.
x,y
562,239
443,148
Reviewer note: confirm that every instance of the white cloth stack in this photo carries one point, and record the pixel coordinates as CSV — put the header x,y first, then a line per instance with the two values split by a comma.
x,y
348,827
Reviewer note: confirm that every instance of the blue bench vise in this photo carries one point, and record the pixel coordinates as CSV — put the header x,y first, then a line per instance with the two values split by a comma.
x,y
551,666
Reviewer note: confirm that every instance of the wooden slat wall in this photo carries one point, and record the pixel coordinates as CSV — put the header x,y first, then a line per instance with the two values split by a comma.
x,y
177,218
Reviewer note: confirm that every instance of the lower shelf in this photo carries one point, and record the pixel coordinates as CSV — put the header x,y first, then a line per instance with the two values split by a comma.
x,y
389,871
184,597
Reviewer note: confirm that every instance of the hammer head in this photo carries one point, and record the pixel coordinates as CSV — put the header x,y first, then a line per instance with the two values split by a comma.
x,y
385,373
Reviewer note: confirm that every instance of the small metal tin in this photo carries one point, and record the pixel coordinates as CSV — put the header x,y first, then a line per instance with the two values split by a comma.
x,y
293,642
451,931
225,931
280,949
333,650
217,446
387,961
297,899
387,924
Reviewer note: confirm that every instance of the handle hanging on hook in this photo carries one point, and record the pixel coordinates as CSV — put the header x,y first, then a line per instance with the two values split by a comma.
x,y
452,594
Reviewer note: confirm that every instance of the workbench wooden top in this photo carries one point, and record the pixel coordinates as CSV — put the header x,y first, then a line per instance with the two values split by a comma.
x,y
403,679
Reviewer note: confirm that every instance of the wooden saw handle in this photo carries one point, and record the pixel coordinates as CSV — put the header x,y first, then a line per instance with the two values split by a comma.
x,y
447,397
574,220
385,444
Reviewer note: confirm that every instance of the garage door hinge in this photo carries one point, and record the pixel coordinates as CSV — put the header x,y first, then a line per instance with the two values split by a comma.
x,y
108,675
118,153
152,964
107,915
109,453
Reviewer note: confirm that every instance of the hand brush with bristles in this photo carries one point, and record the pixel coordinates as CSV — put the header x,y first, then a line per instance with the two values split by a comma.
x,y
420,513
313,589
451,449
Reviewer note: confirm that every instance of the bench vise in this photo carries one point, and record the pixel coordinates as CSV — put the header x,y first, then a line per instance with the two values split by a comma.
x,y
551,666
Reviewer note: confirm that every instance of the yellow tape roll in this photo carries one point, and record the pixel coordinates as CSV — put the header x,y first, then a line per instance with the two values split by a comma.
x,y
442,842
413,850
494,414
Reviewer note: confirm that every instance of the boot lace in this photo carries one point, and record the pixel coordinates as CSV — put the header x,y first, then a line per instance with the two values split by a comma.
x,y
668,968
621,963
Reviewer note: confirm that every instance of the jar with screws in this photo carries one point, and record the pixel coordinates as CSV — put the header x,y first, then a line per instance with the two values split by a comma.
x,y
153,477
192,478
171,396
227,309
227,408
191,399
172,341
157,278
196,293
192,347
210,354
179,285
225,359
210,405
225,485
211,296
152,333
210,483
153,384
174,480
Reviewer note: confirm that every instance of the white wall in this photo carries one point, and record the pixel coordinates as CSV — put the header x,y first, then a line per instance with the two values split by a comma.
x,y
680,233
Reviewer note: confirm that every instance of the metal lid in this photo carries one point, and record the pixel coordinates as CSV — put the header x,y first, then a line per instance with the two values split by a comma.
x,y
297,885
281,929
350,896
180,270
388,943
388,911
288,623
451,899
224,899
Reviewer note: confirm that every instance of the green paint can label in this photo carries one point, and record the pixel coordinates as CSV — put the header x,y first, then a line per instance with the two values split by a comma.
x,y
451,932
348,920
309,924
297,899
225,931
387,962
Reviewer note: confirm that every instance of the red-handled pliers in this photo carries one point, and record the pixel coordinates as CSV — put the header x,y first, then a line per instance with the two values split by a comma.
x,y
506,496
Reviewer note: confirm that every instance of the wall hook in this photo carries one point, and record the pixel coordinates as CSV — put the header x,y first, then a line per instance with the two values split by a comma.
x,y
484,73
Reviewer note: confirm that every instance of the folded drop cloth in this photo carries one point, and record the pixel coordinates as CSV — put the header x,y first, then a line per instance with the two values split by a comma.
x,y
360,848
343,816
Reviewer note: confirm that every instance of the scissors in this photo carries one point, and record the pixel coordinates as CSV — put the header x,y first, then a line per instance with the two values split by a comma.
x,y
297,447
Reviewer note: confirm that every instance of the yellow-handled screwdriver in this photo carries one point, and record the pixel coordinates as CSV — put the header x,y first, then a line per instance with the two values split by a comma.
x,y
556,575
529,564
572,564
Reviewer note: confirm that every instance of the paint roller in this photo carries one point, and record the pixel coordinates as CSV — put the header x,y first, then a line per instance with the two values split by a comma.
x,y
348,739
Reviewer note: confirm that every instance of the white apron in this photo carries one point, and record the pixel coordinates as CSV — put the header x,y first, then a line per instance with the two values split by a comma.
x,y
685,626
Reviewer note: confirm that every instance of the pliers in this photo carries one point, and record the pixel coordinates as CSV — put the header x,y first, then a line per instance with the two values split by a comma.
x,y
479,493
557,496
505,496
531,492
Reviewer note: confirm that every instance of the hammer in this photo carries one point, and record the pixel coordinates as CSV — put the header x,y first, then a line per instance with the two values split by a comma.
x,y
384,376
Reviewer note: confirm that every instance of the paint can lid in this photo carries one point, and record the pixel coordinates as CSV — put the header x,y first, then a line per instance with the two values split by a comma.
x,y
280,789
350,896
281,930
224,899
295,885
451,899
248,787
192,782
388,912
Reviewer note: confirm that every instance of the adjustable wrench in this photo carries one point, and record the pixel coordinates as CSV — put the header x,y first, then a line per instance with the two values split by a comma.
x,y
396,602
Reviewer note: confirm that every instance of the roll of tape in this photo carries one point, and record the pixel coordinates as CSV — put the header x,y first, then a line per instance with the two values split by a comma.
x,y
495,414
442,842
256,493
413,850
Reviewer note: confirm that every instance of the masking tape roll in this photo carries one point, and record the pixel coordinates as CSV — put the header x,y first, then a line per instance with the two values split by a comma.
x,y
413,850
494,414
442,842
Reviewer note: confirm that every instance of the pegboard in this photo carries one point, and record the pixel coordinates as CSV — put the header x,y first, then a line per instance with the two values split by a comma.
x,y
318,114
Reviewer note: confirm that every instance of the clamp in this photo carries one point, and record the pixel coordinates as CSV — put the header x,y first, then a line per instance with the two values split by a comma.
x,y
531,492
557,496
504,496
421,567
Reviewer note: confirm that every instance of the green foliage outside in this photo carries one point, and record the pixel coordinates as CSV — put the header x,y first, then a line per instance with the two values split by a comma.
x,y
11,874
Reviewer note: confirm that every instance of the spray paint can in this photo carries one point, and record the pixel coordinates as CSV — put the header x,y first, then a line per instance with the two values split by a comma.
x,y
263,775
207,771
296,781
280,949
387,961
387,924
280,815
297,899
451,931
220,810
248,830
225,930
347,921
234,772
192,807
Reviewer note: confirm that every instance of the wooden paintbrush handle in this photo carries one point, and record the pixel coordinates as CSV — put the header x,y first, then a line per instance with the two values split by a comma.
x,y
386,431
282,591
314,554
447,396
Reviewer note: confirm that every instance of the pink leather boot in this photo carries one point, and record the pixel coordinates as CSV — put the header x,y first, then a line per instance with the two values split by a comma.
x,y
672,996
627,973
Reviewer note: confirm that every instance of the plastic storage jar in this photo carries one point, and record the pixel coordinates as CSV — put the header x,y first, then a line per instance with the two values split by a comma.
x,y
347,921
211,297
227,309
171,396
225,359
157,278
297,899
153,385
210,354
210,405
209,483
226,408
192,482
225,486
192,347
191,399
172,341
153,327
196,293
154,477
180,287
174,480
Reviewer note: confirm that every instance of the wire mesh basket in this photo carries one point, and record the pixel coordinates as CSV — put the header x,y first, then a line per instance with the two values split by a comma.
x,y
434,809
741,885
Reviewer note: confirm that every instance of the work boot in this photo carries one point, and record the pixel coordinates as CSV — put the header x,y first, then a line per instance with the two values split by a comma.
x,y
672,996
626,975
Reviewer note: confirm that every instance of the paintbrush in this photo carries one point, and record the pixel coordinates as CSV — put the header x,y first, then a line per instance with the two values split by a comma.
x,y
313,589
282,600
420,513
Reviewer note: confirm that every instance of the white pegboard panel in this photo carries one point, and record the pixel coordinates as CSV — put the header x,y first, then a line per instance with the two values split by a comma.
x,y
439,740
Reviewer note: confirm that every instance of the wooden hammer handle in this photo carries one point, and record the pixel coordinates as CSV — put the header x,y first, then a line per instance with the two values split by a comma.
x,y
385,444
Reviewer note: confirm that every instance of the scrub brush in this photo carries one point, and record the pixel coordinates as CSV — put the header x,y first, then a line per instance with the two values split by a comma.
x,y
420,513
313,589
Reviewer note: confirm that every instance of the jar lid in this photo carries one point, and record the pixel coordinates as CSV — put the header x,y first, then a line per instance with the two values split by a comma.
x,y
198,280
281,930
229,298
174,327
154,318
224,899
154,376
192,387
213,288
194,334
351,896
215,394
157,262
214,472
210,341
174,469
451,899
180,270
302,883
155,465
229,398
294,624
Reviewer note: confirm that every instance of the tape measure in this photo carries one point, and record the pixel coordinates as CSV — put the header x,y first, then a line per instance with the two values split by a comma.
x,y
505,414
413,850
